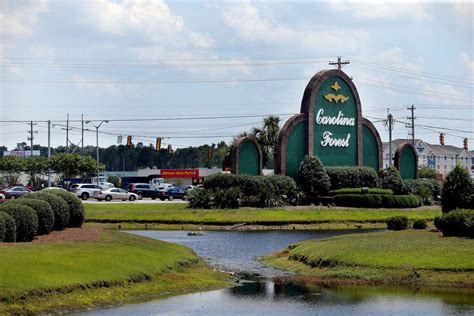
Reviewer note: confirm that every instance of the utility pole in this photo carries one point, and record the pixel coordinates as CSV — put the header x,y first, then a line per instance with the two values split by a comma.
x,y
339,63
31,138
411,125
97,143
388,123
82,134
49,152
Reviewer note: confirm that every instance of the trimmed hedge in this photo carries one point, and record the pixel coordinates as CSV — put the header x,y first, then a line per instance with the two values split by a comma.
x,y
360,191
43,211
59,206
214,198
76,208
420,224
397,223
401,201
359,200
9,227
221,180
377,200
284,186
352,177
26,220
458,223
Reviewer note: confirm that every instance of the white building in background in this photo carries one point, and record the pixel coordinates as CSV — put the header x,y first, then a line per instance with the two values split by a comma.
x,y
442,158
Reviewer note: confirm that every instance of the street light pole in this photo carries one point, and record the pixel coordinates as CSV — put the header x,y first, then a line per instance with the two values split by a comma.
x,y
97,143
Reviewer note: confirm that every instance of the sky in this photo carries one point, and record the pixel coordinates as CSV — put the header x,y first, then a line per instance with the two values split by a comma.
x,y
159,68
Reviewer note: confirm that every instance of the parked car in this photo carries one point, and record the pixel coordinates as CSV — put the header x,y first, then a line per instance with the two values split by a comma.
x,y
54,188
143,190
15,192
116,194
173,193
165,186
85,190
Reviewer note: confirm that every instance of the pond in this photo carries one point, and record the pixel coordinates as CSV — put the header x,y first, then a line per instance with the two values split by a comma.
x,y
267,293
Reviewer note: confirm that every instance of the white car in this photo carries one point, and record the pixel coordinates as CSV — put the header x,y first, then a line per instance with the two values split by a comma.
x,y
85,190
165,186
115,194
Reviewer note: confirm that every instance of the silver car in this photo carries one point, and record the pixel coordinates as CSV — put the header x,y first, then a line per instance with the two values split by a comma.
x,y
115,194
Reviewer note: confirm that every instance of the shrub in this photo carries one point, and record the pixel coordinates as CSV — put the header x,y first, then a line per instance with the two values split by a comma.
x,y
59,206
26,220
76,208
427,173
456,223
221,180
401,201
200,198
391,180
360,191
429,190
420,224
359,200
43,211
9,225
397,223
352,177
457,190
284,186
226,198
313,179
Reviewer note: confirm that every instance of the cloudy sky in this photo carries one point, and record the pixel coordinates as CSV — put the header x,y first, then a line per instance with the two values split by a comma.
x,y
128,60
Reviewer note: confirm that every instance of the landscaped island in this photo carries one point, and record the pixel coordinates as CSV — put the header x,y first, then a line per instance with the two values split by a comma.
x,y
88,267
406,257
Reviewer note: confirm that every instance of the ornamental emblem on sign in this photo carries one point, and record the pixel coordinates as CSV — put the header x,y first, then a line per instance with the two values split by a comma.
x,y
331,97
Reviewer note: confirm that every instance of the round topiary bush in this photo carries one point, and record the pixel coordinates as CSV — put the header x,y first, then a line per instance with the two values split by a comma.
x,y
59,206
76,209
397,223
9,225
26,220
43,211
420,224
457,189
458,223
391,180
312,177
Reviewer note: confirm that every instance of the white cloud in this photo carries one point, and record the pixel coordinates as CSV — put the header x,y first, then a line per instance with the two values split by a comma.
x,y
250,25
381,10
18,19
463,12
203,41
468,63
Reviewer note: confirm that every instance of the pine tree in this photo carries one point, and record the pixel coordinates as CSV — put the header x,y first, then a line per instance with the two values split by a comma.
x,y
313,178
457,190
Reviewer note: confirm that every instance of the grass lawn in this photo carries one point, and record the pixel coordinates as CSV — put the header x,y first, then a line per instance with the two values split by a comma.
x,y
120,267
392,257
180,214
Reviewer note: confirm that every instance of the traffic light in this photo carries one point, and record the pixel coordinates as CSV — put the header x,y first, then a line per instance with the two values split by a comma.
x,y
158,144
210,152
465,144
129,140
441,138
169,149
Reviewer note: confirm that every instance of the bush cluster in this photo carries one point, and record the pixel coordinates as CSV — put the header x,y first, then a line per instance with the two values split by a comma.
x,y
76,208
214,198
397,223
420,224
392,180
8,227
43,211
457,190
59,206
377,200
26,220
352,177
456,223
360,191
428,189
257,191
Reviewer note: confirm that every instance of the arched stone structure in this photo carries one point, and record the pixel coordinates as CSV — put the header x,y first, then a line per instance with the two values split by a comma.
x,y
406,161
246,156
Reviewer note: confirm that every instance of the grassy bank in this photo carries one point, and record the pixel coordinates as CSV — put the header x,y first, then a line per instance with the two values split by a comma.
x,y
406,257
180,214
118,268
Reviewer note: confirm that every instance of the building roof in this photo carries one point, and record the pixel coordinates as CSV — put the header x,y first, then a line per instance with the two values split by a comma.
x,y
437,150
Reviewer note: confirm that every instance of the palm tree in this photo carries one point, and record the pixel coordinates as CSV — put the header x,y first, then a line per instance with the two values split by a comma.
x,y
267,136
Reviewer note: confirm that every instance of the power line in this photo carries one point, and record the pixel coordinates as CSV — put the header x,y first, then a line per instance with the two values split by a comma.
x,y
163,105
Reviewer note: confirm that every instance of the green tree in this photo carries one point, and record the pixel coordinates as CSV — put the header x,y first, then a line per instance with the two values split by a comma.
x,y
11,168
36,168
74,165
457,190
427,173
312,177
392,180
267,136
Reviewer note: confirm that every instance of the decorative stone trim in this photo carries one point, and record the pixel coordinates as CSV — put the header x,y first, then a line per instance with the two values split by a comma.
x,y
398,155
373,130
309,97
280,153
236,151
